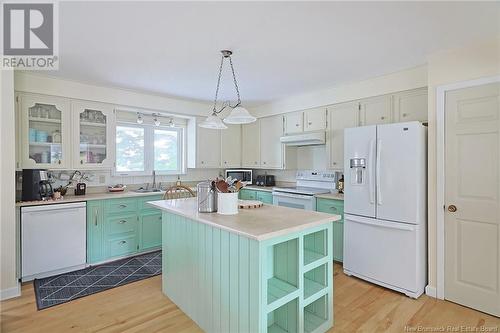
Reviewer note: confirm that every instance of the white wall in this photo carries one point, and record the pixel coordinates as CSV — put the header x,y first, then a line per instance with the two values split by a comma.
x,y
468,63
35,83
9,286
404,80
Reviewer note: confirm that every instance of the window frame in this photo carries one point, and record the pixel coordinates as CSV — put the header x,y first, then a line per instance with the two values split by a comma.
x,y
149,150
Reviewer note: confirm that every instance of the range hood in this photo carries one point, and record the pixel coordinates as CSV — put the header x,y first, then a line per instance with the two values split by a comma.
x,y
306,139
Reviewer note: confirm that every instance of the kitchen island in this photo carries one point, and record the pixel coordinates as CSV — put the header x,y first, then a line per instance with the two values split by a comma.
x,y
263,270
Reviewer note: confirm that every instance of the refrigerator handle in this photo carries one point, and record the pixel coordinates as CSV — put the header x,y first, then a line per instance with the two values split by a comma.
x,y
377,171
370,168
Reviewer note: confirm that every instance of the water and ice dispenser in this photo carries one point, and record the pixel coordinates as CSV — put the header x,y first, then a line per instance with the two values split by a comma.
x,y
358,169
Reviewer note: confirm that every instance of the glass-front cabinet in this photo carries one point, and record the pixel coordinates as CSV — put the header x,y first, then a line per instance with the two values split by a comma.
x,y
45,124
92,135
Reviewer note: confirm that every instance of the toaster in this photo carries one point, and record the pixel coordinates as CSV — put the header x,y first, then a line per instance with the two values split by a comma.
x,y
265,180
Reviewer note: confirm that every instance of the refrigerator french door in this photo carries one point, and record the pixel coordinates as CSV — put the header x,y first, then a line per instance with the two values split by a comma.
x,y
385,205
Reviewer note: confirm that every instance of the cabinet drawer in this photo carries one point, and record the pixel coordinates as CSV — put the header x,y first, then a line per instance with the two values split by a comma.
x,y
125,205
265,197
143,202
330,206
122,245
121,224
248,195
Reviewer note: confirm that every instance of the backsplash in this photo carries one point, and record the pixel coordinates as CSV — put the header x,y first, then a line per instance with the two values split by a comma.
x,y
98,179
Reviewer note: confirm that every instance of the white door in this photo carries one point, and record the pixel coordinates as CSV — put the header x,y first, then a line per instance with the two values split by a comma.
x,y
472,227
401,172
250,145
410,105
208,148
45,132
375,110
315,120
231,146
294,122
93,135
359,181
342,116
271,148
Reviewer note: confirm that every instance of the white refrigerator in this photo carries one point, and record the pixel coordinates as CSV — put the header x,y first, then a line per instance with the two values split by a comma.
x,y
385,205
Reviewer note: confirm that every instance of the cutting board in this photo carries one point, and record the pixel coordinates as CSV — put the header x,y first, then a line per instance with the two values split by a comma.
x,y
248,204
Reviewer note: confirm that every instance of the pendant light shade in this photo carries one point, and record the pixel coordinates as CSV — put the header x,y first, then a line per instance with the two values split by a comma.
x,y
239,115
213,122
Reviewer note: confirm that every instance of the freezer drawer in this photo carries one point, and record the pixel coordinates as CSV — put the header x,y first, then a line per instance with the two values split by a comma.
x,y
388,253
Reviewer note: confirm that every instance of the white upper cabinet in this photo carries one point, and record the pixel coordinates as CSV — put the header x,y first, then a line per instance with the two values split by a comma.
x,y
271,149
315,120
294,122
410,105
45,132
375,110
250,145
93,135
231,146
342,116
208,146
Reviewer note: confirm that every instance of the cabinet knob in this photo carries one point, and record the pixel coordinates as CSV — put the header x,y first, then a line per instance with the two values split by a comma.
x,y
123,206
225,162
264,162
122,221
255,162
202,162
382,118
123,242
59,162
334,163
81,161
296,125
309,123
404,114
452,208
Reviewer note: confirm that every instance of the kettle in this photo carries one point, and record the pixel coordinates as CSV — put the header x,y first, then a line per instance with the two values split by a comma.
x,y
207,197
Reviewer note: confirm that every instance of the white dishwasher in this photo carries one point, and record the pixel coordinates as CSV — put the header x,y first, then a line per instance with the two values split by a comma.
x,y
53,239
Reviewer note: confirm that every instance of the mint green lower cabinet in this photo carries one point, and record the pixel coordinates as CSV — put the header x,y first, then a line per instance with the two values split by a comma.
x,y
95,232
332,206
150,224
246,194
265,197
121,227
229,283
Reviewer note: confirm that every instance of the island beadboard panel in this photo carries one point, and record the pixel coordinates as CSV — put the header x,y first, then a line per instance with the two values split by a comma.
x,y
229,283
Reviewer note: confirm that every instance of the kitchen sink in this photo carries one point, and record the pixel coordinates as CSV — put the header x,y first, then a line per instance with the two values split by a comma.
x,y
145,190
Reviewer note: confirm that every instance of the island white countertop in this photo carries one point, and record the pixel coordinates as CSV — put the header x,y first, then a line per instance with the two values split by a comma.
x,y
258,223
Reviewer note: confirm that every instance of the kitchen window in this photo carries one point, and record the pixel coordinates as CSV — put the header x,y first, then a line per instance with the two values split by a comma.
x,y
140,149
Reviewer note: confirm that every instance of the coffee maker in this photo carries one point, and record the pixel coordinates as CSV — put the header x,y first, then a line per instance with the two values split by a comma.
x,y
36,185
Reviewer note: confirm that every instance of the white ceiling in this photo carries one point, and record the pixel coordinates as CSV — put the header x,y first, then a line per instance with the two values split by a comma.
x,y
280,48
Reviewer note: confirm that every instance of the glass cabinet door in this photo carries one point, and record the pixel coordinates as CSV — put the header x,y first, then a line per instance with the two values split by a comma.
x,y
44,123
93,131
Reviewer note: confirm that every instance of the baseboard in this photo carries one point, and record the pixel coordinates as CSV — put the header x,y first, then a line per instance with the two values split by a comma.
x,y
430,291
10,293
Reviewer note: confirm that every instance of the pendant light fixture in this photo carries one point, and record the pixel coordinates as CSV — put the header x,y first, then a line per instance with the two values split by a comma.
x,y
238,114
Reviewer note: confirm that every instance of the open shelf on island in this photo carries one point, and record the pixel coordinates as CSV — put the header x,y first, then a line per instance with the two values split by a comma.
x,y
316,314
315,246
315,281
282,270
284,319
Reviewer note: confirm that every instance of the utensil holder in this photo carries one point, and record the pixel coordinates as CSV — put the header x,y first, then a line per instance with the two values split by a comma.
x,y
227,203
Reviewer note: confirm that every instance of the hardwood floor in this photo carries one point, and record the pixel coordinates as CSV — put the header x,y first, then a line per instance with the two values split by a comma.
x,y
141,307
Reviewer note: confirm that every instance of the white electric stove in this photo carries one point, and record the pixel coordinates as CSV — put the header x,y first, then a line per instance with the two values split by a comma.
x,y
309,183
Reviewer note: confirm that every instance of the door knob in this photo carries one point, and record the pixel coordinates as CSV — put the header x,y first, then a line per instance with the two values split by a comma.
x,y
452,208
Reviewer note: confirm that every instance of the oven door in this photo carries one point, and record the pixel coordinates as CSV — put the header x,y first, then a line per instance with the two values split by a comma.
x,y
300,201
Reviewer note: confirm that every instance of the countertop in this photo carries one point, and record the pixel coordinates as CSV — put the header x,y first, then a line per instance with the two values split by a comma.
x,y
259,188
333,196
259,223
88,197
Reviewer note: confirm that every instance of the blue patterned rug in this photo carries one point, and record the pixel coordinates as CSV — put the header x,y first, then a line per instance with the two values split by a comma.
x,y
66,287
